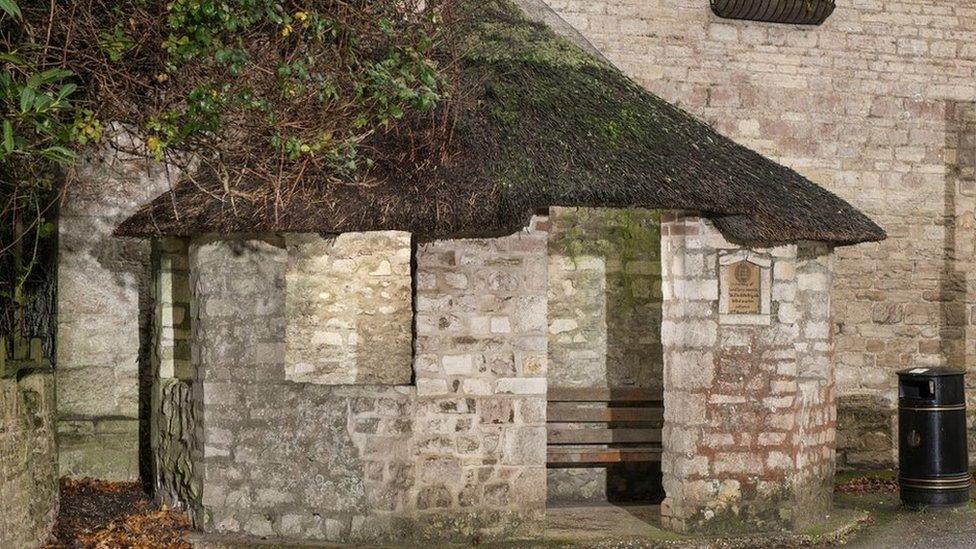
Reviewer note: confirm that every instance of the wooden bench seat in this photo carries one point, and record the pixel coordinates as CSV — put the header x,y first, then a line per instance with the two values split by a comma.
x,y
597,426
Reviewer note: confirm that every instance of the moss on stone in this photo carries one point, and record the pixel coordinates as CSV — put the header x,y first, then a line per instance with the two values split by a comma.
x,y
626,235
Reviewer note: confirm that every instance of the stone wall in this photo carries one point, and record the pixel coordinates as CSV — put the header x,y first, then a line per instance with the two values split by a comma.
x,y
28,460
460,454
170,295
604,327
749,420
877,105
481,383
174,417
815,401
349,309
279,458
104,311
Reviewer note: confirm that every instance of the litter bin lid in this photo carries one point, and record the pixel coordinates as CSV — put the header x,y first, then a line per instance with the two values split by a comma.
x,y
936,371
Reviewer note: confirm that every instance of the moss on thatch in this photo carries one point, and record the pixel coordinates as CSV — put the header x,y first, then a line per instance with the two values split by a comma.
x,y
542,123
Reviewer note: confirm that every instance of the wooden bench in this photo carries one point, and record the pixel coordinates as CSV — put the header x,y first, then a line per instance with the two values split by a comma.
x,y
594,426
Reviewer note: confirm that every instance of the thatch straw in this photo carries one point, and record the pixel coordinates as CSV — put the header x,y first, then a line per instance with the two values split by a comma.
x,y
543,124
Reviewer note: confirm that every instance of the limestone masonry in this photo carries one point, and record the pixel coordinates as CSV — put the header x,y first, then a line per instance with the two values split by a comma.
x,y
748,399
28,460
461,452
104,310
878,105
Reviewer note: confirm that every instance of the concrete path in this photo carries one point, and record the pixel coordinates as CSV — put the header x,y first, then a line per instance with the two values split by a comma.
x,y
638,526
896,527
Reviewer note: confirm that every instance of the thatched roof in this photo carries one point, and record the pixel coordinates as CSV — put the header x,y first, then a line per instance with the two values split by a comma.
x,y
548,124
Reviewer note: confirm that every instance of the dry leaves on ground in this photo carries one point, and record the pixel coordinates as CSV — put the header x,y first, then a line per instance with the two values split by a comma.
x,y
868,484
102,515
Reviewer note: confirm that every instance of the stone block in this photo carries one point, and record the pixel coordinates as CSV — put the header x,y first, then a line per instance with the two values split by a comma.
x,y
521,386
456,365
691,369
109,456
96,391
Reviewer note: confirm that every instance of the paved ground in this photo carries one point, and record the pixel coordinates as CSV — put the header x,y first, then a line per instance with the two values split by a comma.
x,y
895,527
866,521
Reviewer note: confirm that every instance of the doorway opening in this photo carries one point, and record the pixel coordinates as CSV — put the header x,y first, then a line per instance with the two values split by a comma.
x,y
605,374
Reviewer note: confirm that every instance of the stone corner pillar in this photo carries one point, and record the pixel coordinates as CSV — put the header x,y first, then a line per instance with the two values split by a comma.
x,y
748,384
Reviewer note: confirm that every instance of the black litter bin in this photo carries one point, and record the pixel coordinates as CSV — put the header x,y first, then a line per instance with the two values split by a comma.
x,y
933,464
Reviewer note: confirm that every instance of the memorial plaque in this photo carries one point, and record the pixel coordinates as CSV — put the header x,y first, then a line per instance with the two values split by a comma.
x,y
745,296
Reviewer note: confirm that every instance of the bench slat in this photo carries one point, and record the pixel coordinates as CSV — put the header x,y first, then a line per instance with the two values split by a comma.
x,y
602,394
602,436
566,412
572,455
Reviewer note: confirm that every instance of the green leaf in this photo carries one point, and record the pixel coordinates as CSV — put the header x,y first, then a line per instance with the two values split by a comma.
x,y
11,57
10,8
26,98
8,136
58,154
51,75
66,90
45,229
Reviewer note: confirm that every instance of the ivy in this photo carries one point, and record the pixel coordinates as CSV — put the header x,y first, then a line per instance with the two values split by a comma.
x,y
260,91
381,91
41,124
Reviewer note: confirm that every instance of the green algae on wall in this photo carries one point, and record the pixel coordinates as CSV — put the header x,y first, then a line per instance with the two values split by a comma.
x,y
604,304
628,236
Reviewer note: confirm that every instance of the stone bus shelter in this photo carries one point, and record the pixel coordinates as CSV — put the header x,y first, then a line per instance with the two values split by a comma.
x,y
288,403
639,309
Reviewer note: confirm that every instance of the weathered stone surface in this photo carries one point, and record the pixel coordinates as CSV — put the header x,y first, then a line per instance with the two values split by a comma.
x,y
104,307
749,408
371,462
869,107
86,449
604,298
28,460
865,430
349,310
484,438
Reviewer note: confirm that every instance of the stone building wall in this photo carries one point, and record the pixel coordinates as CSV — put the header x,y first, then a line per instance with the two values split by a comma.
x,y
604,327
28,460
281,458
877,105
349,309
481,367
460,453
104,311
749,425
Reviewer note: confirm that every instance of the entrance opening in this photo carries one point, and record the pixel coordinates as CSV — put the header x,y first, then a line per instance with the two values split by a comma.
x,y
605,374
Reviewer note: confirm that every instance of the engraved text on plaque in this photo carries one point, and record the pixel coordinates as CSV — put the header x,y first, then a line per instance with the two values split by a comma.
x,y
744,288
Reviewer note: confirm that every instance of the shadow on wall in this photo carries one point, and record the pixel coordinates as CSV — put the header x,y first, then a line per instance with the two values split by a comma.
x,y
605,331
960,189
959,252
